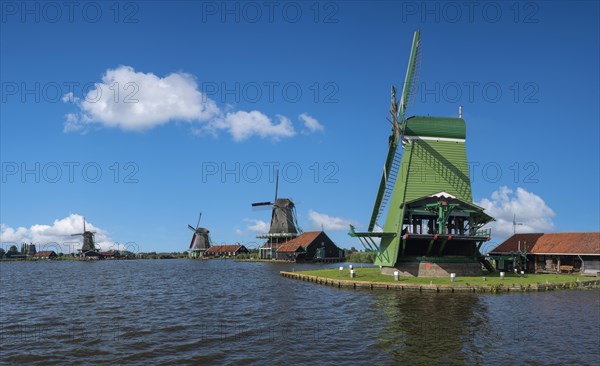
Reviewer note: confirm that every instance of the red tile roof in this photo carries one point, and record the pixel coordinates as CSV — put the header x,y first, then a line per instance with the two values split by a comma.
x,y
224,248
303,240
553,243
288,248
44,253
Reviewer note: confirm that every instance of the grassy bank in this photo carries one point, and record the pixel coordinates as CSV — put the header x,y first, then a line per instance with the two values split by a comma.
x,y
374,275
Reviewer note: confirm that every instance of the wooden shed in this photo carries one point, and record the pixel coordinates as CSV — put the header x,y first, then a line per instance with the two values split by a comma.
x,y
290,251
550,253
230,250
311,246
45,254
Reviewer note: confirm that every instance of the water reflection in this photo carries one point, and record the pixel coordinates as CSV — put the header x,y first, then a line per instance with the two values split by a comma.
x,y
429,328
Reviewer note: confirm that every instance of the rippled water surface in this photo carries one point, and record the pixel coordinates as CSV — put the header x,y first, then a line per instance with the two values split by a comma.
x,y
222,312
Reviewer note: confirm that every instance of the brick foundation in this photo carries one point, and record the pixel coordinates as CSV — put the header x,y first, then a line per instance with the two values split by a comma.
x,y
428,269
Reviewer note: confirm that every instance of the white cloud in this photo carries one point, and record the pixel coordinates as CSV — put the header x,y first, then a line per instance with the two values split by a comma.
x,y
257,226
70,98
57,236
332,223
310,124
529,208
72,123
243,125
138,101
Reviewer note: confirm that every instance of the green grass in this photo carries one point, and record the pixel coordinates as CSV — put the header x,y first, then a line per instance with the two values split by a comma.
x,y
374,275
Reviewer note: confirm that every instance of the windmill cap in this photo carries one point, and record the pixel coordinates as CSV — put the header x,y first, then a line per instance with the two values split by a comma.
x,y
444,127
284,202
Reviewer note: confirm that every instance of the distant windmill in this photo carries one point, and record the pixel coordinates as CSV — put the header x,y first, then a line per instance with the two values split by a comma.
x,y
200,239
283,216
88,239
284,225
515,224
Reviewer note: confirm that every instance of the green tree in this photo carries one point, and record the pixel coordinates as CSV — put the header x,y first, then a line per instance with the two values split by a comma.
x,y
12,251
2,252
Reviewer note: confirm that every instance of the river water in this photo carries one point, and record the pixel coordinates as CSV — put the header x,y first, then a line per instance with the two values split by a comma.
x,y
222,312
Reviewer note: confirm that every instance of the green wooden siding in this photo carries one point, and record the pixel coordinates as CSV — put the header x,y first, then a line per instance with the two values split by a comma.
x,y
436,166
428,167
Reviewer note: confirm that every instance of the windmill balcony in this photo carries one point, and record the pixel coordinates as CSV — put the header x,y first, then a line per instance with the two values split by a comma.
x,y
478,235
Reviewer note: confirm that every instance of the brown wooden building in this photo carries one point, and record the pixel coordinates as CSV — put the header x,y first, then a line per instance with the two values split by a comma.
x,y
225,250
310,246
45,254
110,254
550,253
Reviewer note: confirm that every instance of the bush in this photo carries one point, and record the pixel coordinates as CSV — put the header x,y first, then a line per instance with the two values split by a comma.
x,y
247,256
362,257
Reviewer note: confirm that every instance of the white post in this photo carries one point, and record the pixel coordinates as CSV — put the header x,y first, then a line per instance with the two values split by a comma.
x,y
341,271
352,273
396,276
452,277
502,275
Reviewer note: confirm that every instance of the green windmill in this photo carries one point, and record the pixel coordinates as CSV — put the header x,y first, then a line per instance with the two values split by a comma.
x,y
431,227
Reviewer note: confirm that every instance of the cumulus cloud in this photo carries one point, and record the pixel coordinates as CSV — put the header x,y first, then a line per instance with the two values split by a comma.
x,y
529,208
331,223
310,124
257,226
57,236
136,101
243,125
70,98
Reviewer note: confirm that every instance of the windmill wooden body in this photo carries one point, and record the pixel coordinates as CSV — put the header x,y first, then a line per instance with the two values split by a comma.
x,y
431,227
284,225
200,240
89,242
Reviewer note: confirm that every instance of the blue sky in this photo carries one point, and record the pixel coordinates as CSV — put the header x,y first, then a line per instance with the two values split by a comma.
x,y
303,86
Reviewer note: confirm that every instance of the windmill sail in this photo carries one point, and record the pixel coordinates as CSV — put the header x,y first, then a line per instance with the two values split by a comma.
x,y
193,240
397,112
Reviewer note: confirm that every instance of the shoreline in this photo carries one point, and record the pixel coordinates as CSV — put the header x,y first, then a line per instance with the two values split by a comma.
x,y
419,287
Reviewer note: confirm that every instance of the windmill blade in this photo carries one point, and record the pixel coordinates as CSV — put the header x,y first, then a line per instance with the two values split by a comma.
x,y
398,113
389,169
191,228
76,234
276,184
262,204
199,217
193,240
415,56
